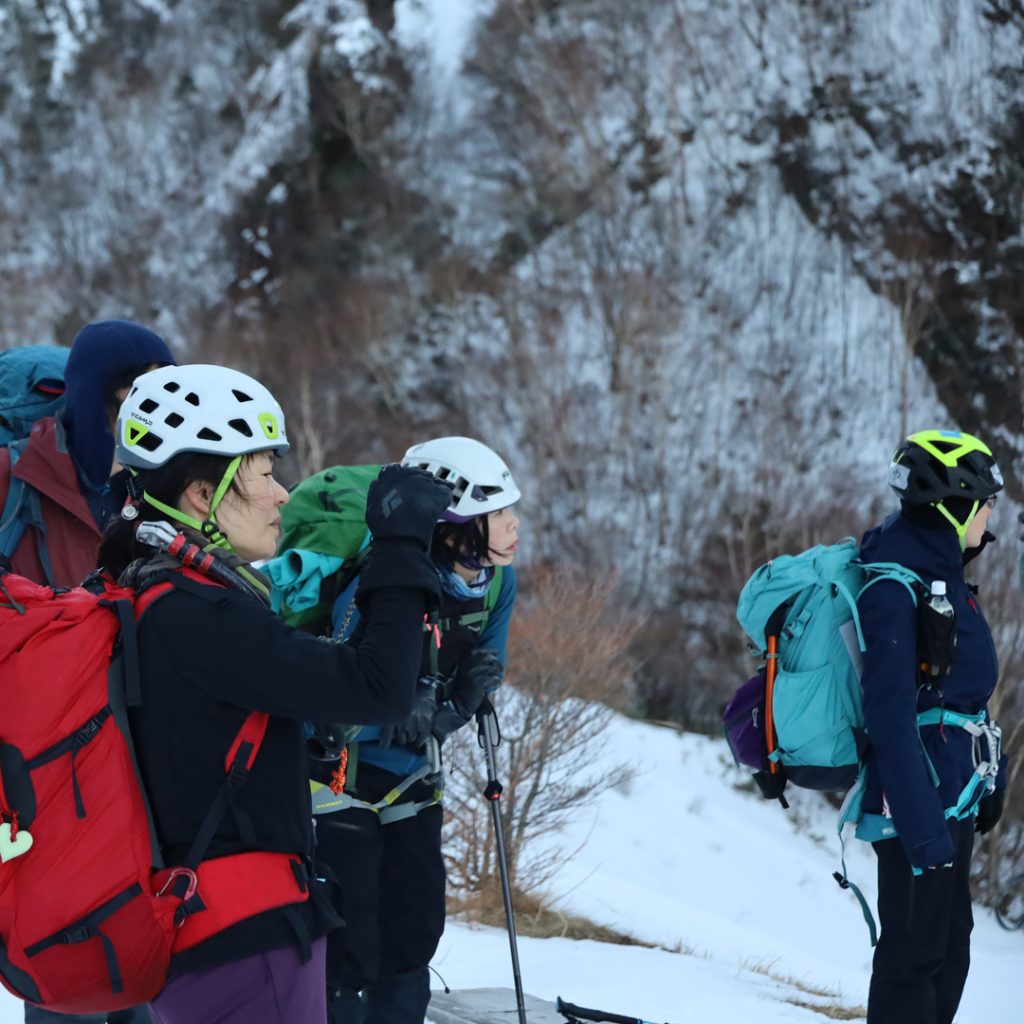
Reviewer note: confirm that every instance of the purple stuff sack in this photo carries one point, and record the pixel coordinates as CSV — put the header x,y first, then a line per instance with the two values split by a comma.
x,y
743,722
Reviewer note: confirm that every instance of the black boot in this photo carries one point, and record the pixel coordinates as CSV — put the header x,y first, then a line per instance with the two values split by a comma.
x,y
347,1006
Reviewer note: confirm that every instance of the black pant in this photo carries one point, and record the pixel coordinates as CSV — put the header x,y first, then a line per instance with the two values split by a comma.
x,y
391,882
924,950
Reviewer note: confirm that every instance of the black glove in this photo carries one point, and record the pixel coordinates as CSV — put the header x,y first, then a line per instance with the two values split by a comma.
x,y
480,672
404,503
413,730
990,810
328,739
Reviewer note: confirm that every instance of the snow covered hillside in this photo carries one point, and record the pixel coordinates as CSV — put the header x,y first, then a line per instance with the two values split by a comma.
x,y
693,268
736,896
737,893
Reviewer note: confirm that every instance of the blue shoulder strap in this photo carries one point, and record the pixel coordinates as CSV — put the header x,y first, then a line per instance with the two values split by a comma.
x,y
12,526
21,510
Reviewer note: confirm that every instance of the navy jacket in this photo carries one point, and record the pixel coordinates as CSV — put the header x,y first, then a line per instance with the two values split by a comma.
x,y
900,782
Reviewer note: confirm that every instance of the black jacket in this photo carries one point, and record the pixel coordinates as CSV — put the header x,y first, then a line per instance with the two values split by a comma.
x,y
210,655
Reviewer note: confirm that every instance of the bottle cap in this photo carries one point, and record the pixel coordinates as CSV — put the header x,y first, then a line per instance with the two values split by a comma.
x,y
938,588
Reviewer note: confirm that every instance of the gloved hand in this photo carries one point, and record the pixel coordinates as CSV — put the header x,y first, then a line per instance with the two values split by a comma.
x,y
404,503
328,738
480,672
990,810
413,730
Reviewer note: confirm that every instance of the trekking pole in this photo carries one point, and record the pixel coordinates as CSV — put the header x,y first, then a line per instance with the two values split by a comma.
x,y
575,1014
489,736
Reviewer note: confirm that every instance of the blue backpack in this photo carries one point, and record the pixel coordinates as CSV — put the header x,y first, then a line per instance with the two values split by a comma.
x,y
31,387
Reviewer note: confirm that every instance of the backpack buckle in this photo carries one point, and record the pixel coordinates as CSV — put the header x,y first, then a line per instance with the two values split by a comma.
x,y
173,877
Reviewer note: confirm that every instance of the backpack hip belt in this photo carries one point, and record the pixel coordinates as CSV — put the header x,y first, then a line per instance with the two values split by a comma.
x,y
228,890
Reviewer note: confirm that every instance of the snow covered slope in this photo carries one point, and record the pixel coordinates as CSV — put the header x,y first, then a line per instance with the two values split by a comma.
x,y
738,893
690,861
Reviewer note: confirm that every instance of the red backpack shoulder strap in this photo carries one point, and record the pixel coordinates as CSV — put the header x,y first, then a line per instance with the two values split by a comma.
x,y
237,764
247,743
144,599
129,606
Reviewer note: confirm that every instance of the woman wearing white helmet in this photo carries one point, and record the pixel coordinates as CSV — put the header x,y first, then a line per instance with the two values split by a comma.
x,y
200,442
389,862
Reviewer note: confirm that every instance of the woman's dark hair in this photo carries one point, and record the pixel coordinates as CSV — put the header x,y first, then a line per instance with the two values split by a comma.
x,y
460,542
119,548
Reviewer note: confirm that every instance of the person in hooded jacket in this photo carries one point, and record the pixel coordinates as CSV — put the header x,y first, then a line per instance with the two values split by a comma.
x,y
935,772
200,443
68,468
384,843
68,463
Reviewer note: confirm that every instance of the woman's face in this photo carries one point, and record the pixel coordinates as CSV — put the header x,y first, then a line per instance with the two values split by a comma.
x,y
978,525
503,536
250,513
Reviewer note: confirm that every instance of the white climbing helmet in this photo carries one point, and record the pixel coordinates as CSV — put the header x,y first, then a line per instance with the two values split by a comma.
x,y
196,408
483,483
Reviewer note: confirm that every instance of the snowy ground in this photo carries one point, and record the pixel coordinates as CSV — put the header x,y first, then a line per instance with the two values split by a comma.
x,y
686,860
738,890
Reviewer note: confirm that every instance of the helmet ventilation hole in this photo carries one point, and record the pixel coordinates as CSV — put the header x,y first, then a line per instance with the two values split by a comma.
x,y
149,442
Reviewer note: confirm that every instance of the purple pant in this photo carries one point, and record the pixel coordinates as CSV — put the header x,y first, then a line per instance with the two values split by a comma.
x,y
268,988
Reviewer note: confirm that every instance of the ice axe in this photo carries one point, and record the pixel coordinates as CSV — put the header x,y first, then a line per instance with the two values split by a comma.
x,y
489,736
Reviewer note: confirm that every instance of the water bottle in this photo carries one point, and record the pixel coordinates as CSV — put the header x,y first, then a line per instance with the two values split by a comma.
x,y
938,601
936,633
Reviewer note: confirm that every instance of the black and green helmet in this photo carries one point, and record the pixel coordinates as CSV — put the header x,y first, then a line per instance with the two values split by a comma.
x,y
951,472
934,465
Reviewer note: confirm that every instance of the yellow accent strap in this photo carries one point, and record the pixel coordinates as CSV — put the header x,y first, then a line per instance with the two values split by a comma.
x,y
968,443
961,528
326,802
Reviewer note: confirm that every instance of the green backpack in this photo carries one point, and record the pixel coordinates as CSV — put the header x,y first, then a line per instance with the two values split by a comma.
x,y
324,521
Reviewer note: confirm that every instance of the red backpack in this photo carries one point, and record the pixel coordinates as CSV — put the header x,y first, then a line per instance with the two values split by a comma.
x,y
89,914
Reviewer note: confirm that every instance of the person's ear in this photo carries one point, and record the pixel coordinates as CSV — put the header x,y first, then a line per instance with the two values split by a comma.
x,y
197,498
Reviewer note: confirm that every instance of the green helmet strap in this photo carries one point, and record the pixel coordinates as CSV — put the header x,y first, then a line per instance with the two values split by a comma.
x,y
961,528
225,483
209,528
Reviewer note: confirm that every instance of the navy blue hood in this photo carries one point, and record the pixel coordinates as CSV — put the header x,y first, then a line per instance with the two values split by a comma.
x,y
100,352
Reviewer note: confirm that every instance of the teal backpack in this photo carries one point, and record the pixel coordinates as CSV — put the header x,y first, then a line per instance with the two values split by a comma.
x,y
800,612
800,719
31,388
